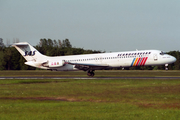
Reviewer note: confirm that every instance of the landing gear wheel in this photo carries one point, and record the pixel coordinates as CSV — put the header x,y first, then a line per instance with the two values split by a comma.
x,y
90,73
166,67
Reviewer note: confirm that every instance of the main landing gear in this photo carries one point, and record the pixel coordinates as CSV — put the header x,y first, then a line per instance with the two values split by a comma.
x,y
90,73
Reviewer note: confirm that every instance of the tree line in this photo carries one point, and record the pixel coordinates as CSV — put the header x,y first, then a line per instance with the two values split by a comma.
x,y
10,58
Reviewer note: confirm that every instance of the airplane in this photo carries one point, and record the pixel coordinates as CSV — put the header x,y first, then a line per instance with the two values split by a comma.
x,y
92,62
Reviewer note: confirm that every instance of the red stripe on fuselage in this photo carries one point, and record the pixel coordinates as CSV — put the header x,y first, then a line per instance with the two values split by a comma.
x,y
142,61
138,61
145,61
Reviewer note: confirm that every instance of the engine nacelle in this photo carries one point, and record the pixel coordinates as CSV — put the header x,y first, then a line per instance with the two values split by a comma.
x,y
56,63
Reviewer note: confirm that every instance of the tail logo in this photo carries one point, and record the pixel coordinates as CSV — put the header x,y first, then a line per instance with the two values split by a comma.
x,y
30,53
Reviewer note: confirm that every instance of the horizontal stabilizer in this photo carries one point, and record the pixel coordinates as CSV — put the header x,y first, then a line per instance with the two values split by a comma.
x,y
20,44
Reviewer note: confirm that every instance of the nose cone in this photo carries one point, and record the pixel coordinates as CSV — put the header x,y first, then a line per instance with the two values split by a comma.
x,y
173,59
170,59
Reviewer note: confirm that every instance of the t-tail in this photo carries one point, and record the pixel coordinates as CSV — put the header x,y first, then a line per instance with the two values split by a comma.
x,y
33,57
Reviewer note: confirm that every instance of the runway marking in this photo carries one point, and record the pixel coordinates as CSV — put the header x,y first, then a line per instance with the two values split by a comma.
x,y
89,78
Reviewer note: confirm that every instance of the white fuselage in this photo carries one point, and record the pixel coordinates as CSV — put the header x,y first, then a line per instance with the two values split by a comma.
x,y
91,62
107,60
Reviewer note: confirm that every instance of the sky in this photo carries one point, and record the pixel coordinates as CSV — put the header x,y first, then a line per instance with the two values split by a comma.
x,y
106,25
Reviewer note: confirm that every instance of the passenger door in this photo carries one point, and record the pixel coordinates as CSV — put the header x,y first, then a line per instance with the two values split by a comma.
x,y
155,57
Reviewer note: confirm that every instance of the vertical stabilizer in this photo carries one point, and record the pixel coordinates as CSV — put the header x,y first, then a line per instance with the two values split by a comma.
x,y
29,52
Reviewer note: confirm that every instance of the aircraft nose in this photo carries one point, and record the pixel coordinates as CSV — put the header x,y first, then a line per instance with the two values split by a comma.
x,y
173,59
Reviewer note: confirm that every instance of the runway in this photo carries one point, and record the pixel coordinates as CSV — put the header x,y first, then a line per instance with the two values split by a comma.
x,y
89,77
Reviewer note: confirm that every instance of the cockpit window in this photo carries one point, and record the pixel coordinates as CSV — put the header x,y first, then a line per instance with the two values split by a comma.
x,y
162,53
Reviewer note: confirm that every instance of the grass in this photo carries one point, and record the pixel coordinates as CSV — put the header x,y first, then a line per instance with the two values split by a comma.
x,y
94,99
45,110
98,73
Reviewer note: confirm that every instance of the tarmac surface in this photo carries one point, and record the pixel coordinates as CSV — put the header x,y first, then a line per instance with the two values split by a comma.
x,y
89,77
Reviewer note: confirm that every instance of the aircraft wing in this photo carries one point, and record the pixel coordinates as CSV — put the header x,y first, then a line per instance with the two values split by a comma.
x,y
87,66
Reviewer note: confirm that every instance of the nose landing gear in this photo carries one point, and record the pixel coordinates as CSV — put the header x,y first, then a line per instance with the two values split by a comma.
x,y
90,73
166,67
